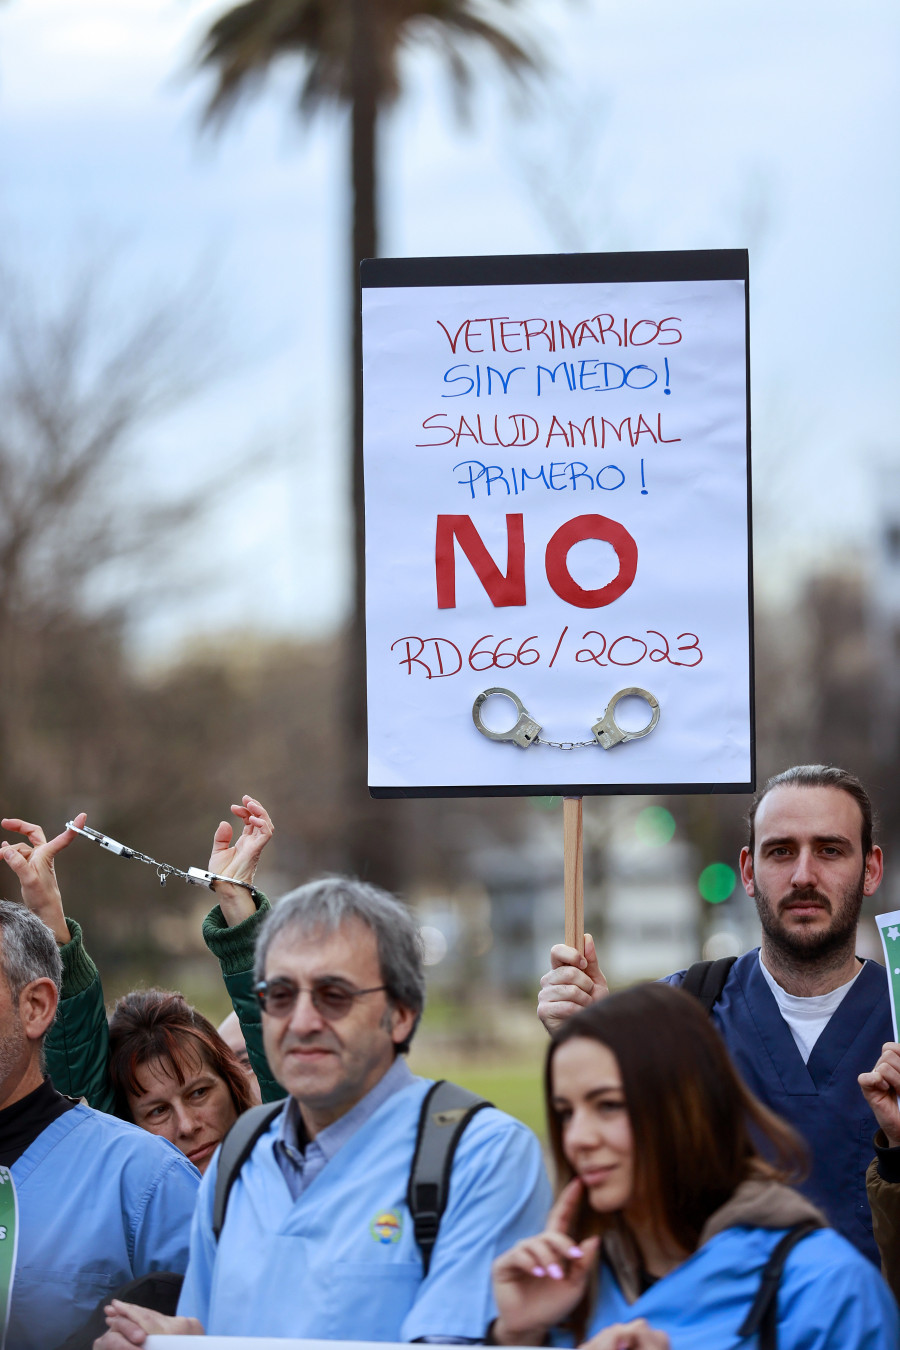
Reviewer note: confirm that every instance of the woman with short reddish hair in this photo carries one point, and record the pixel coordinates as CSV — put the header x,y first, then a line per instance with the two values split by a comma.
x,y
172,1074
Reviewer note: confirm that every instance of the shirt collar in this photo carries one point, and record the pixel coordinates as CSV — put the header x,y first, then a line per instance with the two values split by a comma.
x,y
809,1005
292,1132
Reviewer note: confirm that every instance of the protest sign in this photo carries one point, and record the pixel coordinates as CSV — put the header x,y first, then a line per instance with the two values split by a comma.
x,y
889,928
557,504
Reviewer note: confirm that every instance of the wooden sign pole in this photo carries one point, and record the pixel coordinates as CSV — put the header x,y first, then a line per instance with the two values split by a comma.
x,y
573,871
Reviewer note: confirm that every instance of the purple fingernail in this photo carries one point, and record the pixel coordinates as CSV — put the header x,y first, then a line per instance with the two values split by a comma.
x,y
555,1272
576,1253
539,1271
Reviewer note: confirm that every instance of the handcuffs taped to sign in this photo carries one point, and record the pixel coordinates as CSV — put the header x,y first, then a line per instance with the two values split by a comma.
x,y
607,732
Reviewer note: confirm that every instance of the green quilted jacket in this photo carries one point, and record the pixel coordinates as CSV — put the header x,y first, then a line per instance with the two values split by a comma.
x,y
77,1045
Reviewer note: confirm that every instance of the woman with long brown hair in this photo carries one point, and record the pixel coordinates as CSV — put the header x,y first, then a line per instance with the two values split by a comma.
x,y
674,1198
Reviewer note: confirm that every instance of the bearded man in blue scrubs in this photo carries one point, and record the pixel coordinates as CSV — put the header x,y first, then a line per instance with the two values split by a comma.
x,y
97,1202
318,1240
802,1016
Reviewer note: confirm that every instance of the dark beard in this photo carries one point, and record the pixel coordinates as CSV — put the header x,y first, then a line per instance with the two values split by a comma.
x,y
799,944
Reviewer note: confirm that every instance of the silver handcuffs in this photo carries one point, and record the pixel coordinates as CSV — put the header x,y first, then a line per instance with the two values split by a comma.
x,y
606,731
195,876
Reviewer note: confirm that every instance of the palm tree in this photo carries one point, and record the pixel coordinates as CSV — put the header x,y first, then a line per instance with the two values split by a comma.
x,y
350,55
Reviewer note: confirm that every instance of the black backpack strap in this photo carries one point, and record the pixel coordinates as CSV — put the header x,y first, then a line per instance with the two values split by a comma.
x,y
236,1149
446,1111
706,980
763,1315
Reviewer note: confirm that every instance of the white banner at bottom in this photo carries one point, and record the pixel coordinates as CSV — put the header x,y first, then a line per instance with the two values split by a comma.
x,y
272,1343
262,1343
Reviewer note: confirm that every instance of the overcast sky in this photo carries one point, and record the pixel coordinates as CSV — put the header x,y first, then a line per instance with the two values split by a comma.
x,y
771,125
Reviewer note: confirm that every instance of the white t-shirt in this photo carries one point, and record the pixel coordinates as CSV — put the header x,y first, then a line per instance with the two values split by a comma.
x,y
807,1017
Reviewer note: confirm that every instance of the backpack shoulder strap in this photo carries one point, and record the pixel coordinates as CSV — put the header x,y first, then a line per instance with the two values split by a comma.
x,y
446,1111
763,1315
236,1149
706,980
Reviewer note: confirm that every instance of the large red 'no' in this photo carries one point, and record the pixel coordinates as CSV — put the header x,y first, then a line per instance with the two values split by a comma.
x,y
509,589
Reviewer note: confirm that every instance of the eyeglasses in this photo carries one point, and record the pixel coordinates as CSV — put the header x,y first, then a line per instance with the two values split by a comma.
x,y
332,1001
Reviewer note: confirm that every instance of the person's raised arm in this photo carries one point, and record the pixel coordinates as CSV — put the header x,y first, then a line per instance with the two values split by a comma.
x,y
34,864
231,927
880,1088
573,982
239,858
77,1044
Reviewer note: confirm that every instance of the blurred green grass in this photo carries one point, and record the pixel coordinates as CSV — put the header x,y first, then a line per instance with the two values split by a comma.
x,y
494,1048
513,1087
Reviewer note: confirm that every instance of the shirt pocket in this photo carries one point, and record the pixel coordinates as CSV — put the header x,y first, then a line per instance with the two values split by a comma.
x,y
48,1305
368,1301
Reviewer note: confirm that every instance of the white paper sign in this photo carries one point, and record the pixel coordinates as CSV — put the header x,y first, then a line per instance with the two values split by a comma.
x,y
556,477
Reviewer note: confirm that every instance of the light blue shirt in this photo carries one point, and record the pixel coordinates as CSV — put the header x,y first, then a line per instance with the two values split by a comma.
x,y
830,1297
300,1166
100,1203
341,1261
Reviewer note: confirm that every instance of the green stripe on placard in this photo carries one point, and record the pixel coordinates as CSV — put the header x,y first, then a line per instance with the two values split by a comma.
x,y
889,928
9,1243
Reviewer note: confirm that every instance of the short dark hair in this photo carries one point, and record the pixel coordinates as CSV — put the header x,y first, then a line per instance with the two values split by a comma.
x,y
697,1128
150,1024
813,776
325,904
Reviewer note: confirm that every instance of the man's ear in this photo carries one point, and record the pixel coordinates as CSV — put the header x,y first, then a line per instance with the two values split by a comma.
x,y
747,872
874,871
37,1007
403,1020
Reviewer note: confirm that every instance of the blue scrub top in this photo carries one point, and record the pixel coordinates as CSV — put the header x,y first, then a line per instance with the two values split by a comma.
x,y
341,1262
830,1298
100,1203
821,1099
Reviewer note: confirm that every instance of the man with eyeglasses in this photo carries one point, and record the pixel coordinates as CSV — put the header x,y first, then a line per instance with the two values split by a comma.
x,y
317,1240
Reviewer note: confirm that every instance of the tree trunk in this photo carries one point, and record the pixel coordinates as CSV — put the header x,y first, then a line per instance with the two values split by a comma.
x,y
370,825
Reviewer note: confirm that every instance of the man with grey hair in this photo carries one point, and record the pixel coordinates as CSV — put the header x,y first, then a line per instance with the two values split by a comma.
x,y
318,1240
87,1203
